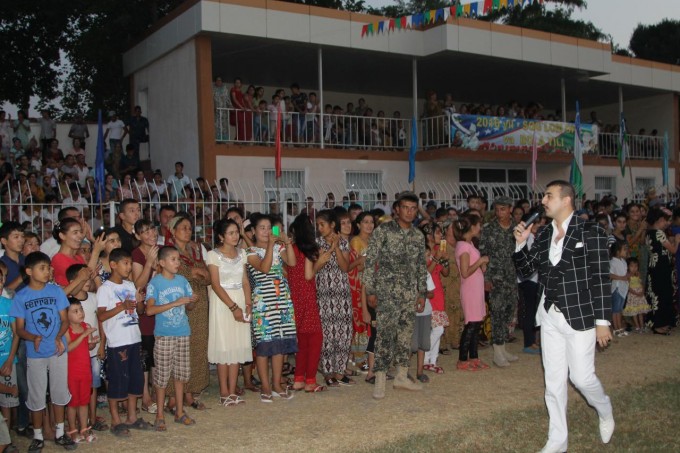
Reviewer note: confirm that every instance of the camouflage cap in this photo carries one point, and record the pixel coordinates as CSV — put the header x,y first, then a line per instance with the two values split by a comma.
x,y
503,200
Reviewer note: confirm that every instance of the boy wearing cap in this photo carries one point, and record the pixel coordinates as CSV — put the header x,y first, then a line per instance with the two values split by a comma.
x,y
497,242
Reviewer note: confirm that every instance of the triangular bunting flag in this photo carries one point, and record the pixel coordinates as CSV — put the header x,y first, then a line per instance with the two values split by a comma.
x,y
370,29
381,27
496,4
402,23
364,30
473,9
467,10
487,5
409,22
441,14
426,17
391,25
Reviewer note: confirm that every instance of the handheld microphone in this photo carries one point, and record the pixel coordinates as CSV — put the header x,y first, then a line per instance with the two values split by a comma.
x,y
533,217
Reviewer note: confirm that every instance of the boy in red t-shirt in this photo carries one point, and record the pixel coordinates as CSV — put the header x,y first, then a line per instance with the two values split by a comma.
x,y
79,371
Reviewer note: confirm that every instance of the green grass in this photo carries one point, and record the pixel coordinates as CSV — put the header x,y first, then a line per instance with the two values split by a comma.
x,y
646,421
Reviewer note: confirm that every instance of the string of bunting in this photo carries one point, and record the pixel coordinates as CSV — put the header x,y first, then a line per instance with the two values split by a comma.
x,y
474,9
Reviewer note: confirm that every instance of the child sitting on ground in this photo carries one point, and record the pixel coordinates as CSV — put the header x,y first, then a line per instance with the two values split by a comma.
x,y
116,309
166,296
40,312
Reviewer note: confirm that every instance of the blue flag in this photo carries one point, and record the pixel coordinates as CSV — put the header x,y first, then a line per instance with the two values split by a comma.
x,y
412,151
99,173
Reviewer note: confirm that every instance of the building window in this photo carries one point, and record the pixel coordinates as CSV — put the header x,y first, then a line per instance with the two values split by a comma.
x,y
604,185
291,188
642,184
494,182
364,185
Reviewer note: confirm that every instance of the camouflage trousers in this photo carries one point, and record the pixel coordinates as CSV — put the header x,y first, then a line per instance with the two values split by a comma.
x,y
395,318
502,303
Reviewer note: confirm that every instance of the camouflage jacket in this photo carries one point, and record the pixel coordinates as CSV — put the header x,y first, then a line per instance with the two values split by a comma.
x,y
498,244
395,261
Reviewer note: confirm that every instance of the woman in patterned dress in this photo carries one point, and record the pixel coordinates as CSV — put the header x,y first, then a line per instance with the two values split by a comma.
x,y
335,300
194,270
357,256
660,293
273,320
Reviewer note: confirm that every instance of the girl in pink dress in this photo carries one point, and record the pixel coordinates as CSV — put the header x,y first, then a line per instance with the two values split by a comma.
x,y
472,268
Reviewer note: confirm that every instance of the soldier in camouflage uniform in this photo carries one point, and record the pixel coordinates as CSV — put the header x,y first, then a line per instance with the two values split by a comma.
x,y
498,243
395,281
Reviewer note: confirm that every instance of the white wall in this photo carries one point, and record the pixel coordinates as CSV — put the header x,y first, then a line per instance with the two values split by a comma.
x,y
171,96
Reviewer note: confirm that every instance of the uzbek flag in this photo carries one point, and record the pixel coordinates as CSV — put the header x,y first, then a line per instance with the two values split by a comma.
x,y
622,151
576,178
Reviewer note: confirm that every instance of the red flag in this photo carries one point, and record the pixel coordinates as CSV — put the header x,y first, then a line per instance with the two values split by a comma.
x,y
277,142
391,25
487,5
364,30
534,158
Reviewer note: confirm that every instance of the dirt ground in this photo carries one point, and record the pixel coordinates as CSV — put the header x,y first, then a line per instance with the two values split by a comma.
x,y
348,419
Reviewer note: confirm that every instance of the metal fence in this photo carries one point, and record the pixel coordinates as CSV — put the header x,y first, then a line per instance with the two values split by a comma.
x,y
300,129
206,202
639,146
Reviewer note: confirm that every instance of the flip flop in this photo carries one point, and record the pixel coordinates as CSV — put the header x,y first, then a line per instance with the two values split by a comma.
x,y
151,409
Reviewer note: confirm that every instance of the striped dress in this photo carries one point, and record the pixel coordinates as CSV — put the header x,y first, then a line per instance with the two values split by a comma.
x,y
273,320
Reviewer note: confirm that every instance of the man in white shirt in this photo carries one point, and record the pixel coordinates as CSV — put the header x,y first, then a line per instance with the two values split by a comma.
x,y
115,130
572,261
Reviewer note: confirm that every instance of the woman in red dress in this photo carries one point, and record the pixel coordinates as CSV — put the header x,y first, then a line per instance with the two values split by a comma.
x,y
242,118
303,292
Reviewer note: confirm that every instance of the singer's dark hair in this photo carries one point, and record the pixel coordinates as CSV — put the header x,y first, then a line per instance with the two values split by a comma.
x,y
566,190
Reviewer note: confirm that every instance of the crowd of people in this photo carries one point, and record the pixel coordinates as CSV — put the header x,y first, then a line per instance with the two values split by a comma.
x,y
141,310
250,116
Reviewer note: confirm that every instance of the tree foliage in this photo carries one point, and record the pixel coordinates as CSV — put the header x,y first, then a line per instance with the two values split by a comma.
x,y
71,50
659,42
32,33
557,20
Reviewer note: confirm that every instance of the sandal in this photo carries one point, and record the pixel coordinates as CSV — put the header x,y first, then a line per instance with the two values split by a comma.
x,y
332,382
423,378
169,410
100,425
75,438
436,369
231,400
87,435
151,408
466,366
197,405
286,370
255,381
346,381
370,380
316,389
479,364
140,424
283,395
159,425
266,398
120,430
185,420
240,391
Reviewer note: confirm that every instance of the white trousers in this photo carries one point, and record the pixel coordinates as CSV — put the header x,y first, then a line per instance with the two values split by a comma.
x,y
568,353
432,355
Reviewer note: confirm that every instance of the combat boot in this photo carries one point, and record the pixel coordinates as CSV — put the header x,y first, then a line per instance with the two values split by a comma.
x,y
401,380
498,357
379,389
509,357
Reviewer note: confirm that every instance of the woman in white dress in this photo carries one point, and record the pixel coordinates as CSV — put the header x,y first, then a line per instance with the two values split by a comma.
x,y
229,342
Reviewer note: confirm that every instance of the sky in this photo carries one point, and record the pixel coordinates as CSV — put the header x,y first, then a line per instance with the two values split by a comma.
x,y
615,17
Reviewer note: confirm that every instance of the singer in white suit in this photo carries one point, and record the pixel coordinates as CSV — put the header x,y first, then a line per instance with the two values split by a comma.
x,y
574,311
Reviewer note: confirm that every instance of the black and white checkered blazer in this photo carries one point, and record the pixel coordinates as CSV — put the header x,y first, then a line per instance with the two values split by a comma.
x,y
579,284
